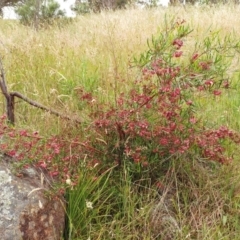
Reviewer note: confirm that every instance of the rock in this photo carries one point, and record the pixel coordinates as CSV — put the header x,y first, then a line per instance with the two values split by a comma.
x,y
25,211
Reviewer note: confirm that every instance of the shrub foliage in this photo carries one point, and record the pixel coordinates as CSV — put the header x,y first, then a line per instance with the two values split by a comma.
x,y
36,12
145,129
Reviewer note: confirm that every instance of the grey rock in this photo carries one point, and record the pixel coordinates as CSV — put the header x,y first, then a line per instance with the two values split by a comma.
x,y
25,211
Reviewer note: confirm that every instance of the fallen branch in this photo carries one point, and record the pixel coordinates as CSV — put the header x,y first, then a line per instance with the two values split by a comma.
x,y
38,105
9,96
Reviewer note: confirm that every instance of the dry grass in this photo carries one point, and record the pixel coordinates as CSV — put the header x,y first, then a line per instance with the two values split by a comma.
x,y
93,52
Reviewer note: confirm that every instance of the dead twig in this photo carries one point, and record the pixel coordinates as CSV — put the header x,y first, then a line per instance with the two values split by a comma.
x,y
38,105
8,97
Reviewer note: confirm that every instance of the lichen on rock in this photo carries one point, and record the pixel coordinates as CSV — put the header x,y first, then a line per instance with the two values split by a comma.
x,y
25,212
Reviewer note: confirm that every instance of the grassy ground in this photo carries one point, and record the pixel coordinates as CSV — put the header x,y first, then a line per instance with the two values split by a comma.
x,y
95,52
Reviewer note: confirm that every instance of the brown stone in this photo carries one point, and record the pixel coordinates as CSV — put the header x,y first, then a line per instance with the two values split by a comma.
x,y
25,211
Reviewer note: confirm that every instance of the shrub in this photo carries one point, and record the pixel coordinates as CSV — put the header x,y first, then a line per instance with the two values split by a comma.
x,y
81,7
35,12
151,125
